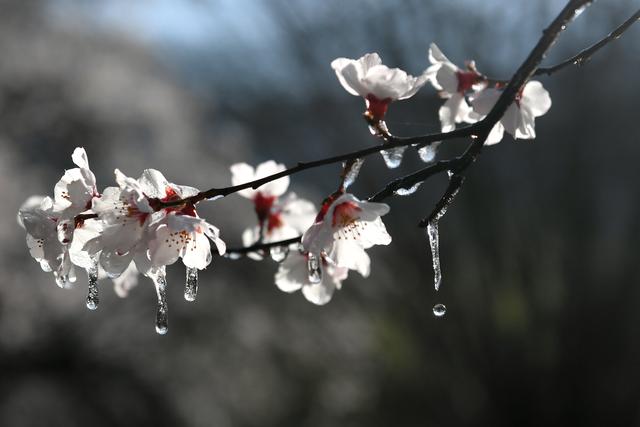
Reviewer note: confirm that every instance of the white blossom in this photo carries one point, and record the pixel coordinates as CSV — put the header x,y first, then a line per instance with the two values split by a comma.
x,y
345,228
519,119
378,84
293,275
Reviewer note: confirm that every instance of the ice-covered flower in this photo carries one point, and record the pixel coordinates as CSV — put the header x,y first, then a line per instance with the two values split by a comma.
x,y
378,84
343,230
278,218
519,119
293,275
40,221
453,83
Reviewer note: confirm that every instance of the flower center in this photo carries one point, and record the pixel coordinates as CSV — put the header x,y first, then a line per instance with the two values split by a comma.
x,y
171,195
377,107
262,205
345,214
466,80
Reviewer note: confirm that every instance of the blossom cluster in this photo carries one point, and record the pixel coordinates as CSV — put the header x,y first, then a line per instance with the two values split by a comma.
x,y
469,96
143,225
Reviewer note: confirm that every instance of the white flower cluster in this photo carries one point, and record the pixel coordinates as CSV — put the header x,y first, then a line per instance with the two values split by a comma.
x,y
468,94
121,231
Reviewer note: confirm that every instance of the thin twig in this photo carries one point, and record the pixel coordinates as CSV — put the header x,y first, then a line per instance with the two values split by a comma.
x,y
583,56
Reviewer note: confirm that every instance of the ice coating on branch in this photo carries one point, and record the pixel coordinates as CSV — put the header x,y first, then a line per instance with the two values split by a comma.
x,y
428,152
378,84
434,244
191,284
393,156
352,174
162,319
519,119
92,295
408,191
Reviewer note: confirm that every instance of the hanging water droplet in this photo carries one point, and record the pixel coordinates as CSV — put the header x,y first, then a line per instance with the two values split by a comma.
x,y
279,253
428,152
439,310
191,284
393,156
162,321
62,280
408,191
434,243
313,266
352,173
233,255
92,295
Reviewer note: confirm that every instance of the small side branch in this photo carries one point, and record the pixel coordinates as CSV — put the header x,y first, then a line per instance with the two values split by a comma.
x,y
585,55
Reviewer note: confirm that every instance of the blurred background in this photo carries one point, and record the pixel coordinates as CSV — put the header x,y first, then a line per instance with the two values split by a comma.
x,y
539,252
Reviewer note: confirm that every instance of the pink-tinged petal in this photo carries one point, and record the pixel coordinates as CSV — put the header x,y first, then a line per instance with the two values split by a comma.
x,y
511,119
449,112
249,237
273,188
349,76
82,233
214,234
241,173
350,254
436,56
114,264
153,183
483,101
164,249
197,252
526,126
298,213
536,98
384,82
369,60
447,78
80,158
32,203
495,135
292,273
321,293
374,233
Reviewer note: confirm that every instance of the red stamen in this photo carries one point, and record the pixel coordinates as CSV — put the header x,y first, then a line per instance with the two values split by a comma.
x,y
466,80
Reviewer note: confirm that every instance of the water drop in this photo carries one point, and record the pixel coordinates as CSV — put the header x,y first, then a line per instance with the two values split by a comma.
x,y
428,152
393,157
434,243
279,253
191,284
313,266
62,280
92,295
233,255
352,173
408,191
162,321
439,310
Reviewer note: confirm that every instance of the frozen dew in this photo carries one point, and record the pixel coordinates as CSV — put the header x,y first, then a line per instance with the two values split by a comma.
x,y
408,191
393,156
92,295
313,266
162,321
214,198
191,284
434,243
352,173
233,255
439,310
279,253
428,152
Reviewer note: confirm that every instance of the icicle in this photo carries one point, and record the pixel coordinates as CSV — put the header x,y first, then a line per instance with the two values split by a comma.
x,y
434,242
160,281
352,173
313,266
279,253
393,156
408,191
439,310
191,284
92,295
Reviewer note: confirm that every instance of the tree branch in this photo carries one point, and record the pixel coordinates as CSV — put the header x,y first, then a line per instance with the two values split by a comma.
x,y
585,55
